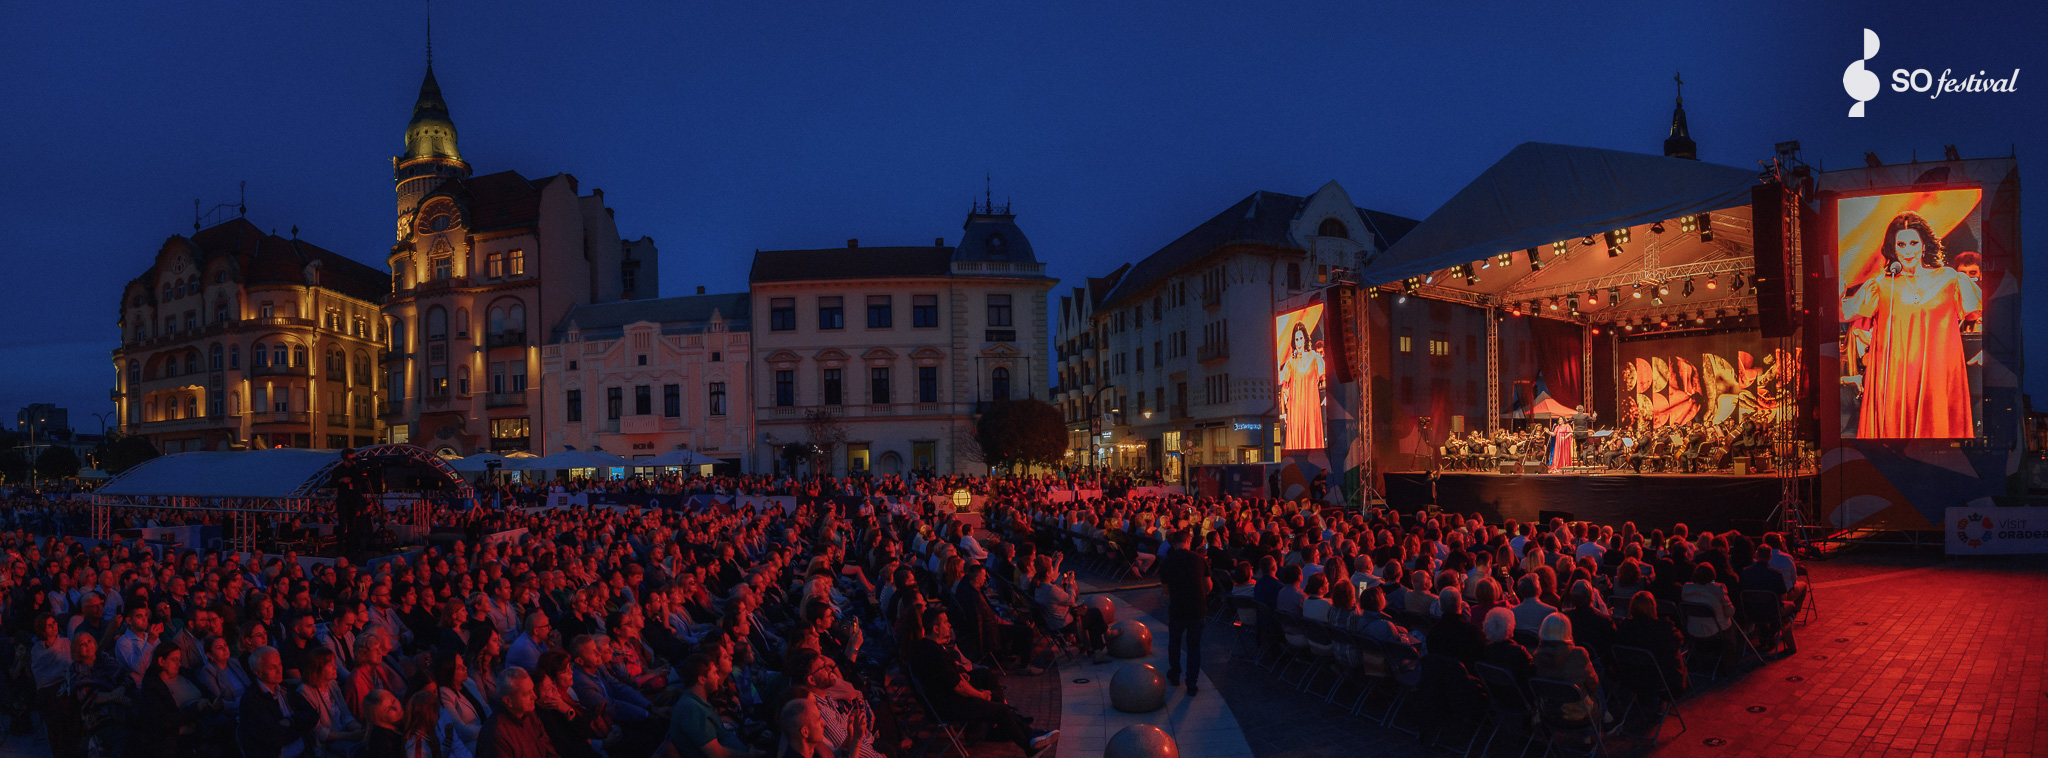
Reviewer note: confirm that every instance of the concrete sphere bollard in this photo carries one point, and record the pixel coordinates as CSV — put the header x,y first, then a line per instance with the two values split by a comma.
x,y
1106,606
1137,688
1141,741
1130,639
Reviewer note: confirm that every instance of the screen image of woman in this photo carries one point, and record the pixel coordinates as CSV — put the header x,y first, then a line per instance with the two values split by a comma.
x,y
1905,328
1301,390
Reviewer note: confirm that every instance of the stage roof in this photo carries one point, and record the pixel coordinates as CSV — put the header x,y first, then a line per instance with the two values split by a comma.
x,y
248,473
1540,194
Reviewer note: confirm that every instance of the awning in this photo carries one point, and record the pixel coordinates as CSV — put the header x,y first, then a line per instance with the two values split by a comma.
x,y
1542,193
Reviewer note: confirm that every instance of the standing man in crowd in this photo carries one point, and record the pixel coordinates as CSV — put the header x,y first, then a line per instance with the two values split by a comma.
x,y
1186,576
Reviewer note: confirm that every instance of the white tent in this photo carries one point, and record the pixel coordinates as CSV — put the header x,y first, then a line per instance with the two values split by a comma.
x,y
246,473
570,459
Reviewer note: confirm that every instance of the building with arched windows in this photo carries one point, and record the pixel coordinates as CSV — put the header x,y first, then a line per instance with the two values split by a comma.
x,y
483,266
234,337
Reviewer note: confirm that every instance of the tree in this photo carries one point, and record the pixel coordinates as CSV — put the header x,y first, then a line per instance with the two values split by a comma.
x,y
57,462
1027,431
123,451
826,434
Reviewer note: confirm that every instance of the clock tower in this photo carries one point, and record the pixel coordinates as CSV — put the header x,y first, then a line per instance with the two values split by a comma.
x,y
430,156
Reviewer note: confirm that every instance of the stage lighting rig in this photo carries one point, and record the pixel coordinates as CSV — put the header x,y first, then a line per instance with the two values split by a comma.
x,y
1613,296
1735,284
1635,291
1561,247
1662,289
1688,224
1706,227
1657,227
1535,260
1615,239
1711,284
1688,286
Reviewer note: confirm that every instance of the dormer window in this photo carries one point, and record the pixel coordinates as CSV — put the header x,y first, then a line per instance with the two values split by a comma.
x,y
1333,228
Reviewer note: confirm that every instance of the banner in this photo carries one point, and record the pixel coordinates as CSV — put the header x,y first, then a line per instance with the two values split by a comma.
x,y
1997,531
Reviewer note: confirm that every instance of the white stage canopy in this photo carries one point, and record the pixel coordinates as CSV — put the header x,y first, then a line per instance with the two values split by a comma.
x,y
277,473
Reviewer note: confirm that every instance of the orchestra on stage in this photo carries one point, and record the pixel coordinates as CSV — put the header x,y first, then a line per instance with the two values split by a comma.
x,y
1732,446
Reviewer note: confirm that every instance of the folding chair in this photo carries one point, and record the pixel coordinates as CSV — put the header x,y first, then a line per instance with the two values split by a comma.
x,y
1294,639
1704,612
1637,670
954,732
1322,648
1234,607
1553,698
1508,705
1768,612
1373,667
1809,606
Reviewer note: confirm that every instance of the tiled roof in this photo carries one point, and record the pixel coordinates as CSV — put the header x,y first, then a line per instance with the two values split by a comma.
x,y
270,259
501,200
677,315
1261,218
851,263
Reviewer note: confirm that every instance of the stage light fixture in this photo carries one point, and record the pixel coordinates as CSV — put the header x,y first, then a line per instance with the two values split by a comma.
x,y
1688,223
1505,259
1656,300
1409,285
1575,305
1702,318
1561,247
1663,290
1735,284
1614,240
1688,286
1613,296
1586,240
1706,227
1402,300
1635,291
1711,284
1661,323
1484,265
1553,304
1535,260
1429,279
1657,227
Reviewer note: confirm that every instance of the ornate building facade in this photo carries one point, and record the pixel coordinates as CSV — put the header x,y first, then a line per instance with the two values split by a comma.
x,y
482,267
234,338
643,377
902,345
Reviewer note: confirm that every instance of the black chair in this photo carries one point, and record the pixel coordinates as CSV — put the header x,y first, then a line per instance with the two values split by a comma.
x,y
1637,670
1233,608
1719,642
1322,648
1292,628
1528,640
1448,693
1566,711
1772,617
1375,668
1509,706
953,732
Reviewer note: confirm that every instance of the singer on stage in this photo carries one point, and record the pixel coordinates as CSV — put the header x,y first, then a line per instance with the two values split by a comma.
x,y
1914,382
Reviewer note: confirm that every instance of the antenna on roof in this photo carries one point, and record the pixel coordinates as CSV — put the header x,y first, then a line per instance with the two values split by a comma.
x,y
988,199
430,33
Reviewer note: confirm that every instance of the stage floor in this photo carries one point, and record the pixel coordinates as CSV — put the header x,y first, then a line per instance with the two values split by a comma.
x,y
1653,501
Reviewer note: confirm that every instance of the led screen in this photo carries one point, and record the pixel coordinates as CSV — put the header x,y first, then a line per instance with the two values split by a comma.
x,y
1721,379
1302,383
1912,309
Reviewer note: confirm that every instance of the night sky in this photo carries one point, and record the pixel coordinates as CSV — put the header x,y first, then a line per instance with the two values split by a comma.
x,y
720,128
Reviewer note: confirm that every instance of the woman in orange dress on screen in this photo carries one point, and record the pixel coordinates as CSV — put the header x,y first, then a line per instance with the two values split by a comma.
x,y
1301,392
1561,446
1915,384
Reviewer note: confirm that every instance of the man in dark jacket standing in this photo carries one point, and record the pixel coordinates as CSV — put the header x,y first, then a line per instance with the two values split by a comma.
x,y
275,720
1186,576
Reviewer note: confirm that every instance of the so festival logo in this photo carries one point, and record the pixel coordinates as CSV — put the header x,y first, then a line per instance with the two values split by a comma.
x,y
1975,529
1863,84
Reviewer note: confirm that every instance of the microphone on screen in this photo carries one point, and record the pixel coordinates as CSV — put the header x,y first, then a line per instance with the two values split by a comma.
x,y
1893,269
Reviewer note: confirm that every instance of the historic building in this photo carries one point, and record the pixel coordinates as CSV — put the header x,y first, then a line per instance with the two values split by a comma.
x,y
234,337
1170,361
901,345
483,266
643,377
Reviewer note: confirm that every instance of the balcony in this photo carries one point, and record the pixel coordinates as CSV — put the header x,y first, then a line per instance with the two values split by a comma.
x,y
504,399
507,338
1212,352
1212,298
278,321
299,418
337,419
276,370
169,426
1001,335
998,268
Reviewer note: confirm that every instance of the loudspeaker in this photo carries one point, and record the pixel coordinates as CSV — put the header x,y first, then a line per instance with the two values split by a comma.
x,y
1773,289
1511,467
1546,516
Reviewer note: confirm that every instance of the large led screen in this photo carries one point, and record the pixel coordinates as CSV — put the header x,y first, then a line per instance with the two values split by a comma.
x,y
1912,307
1302,383
1722,379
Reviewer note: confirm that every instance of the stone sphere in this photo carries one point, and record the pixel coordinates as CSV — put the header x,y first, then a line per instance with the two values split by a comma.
x,y
1141,741
1105,605
1137,688
1130,639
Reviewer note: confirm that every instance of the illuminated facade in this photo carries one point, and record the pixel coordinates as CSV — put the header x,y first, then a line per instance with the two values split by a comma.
x,y
1168,362
483,265
643,377
234,337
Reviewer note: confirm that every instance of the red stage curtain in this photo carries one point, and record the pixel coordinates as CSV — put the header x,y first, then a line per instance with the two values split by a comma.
x,y
1561,354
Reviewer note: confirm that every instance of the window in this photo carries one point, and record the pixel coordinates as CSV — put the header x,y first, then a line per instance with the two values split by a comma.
x,y
643,400
257,357
213,358
672,401
718,398
927,384
1180,399
999,384
508,428
298,356
1158,355
171,325
437,381
444,267
266,310
1407,341
878,386
192,362
832,386
1332,228
831,313
1216,389
497,379
437,324
998,310
494,265
879,312
614,403
1137,317
220,312
716,356
1156,302
515,263
518,374
782,314
924,311
213,405
1294,276
573,406
1439,348
640,360
785,388
1141,360
627,275
234,356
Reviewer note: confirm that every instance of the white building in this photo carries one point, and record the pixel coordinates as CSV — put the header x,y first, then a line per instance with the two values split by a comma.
x,y
1170,361
902,345
644,377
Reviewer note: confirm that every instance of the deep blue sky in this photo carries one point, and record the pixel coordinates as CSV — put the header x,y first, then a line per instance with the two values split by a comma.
x,y
719,128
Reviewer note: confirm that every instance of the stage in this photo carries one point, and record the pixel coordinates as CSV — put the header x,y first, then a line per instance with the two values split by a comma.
x,y
1653,501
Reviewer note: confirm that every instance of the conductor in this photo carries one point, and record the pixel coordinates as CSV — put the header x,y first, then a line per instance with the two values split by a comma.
x,y
1582,428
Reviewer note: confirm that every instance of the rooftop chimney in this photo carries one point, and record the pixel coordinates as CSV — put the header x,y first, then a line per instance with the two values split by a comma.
x,y
700,289
938,242
855,242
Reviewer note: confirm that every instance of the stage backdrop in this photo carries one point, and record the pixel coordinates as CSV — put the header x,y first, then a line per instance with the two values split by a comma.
x,y
1711,378
1929,403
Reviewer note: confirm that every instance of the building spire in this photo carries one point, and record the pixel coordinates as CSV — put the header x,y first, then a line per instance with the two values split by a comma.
x,y
1680,144
430,34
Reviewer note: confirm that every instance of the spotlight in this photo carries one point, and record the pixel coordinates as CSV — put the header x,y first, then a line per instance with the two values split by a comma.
x,y
1553,304
1402,300
1561,247
1656,300
1575,306
1613,296
1409,285
1586,240
1688,223
1702,318
1706,227
1688,286
1635,291
1657,228
1484,265
1663,290
1505,259
1710,283
1661,323
1614,240
1535,260
1735,284
1429,279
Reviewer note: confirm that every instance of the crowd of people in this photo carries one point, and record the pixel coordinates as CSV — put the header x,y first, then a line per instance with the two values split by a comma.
x,y
830,628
